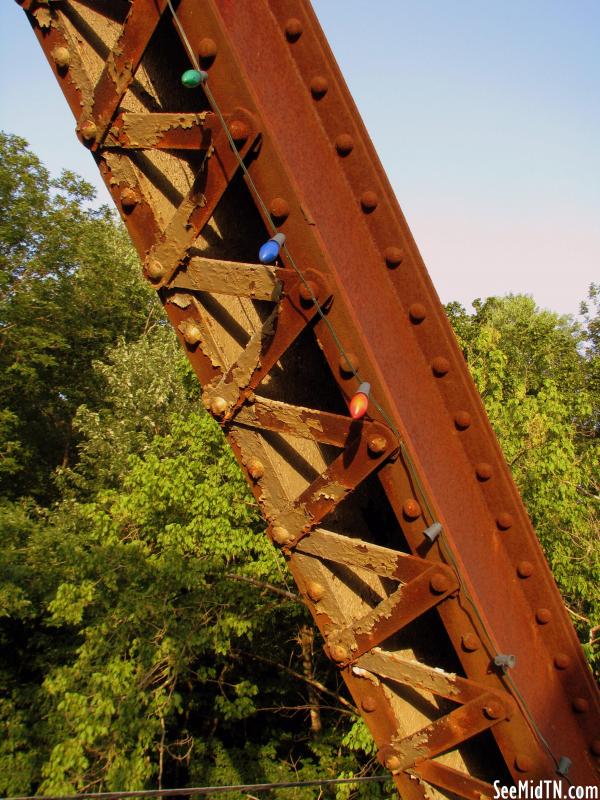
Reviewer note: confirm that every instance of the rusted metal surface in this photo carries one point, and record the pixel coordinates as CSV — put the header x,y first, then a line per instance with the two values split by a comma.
x,y
434,453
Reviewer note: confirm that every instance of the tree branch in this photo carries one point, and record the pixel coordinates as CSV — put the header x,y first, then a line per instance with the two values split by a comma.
x,y
268,586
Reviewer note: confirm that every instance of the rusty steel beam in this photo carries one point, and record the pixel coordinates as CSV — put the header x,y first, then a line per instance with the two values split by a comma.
x,y
307,154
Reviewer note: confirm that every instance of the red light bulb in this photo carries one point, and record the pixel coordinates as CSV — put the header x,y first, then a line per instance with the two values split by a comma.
x,y
360,401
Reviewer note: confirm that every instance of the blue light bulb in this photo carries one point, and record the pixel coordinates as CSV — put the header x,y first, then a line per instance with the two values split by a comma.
x,y
193,77
270,250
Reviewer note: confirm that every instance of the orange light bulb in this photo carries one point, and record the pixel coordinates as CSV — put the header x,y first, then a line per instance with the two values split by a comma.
x,y
360,401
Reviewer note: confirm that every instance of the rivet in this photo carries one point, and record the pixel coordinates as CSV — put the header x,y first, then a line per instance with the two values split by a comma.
x,y
62,57
293,29
256,469
523,763
348,364
440,366
524,569
493,709
484,471
129,199
504,520
411,509
595,747
470,642
338,652
315,590
239,130
562,661
218,406
308,291
369,201
207,50
368,703
543,616
417,313
439,583
462,420
377,444
393,763
89,130
393,256
154,269
279,209
580,705
344,144
319,86
281,535
192,333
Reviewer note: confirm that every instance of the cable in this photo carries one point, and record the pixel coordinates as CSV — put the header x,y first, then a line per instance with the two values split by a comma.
x,y
244,787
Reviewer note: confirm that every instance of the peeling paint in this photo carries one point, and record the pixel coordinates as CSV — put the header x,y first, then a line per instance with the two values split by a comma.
x,y
146,130
352,552
369,676
411,673
230,277
410,749
331,491
43,17
180,300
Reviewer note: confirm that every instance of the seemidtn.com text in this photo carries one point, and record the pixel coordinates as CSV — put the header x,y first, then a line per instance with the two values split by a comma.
x,y
544,790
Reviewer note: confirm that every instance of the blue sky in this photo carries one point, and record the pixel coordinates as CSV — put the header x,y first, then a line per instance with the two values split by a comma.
x,y
486,116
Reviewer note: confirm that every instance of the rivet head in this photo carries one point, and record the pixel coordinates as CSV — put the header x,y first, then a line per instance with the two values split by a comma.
x,y
543,616
440,366
218,406
524,569
192,333
155,269
281,535
580,705
348,364
308,290
393,763
393,256
319,86
238,130
344,144
417,313
411,509
462,420
504,520
338,652
484,471
256,469
493,709
369,201
315,591
595,747
207,49
368,703
523,763
562,661
470,642
439,583
89,130
293,29
129,199
377,444
279,209
62,57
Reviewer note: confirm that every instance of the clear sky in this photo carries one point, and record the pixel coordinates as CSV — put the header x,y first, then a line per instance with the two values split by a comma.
x,y
486,115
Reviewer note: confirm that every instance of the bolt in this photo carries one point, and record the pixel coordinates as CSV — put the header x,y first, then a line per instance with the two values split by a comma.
x,y
129,199
470,642
440,366
315,590
417,313
305,291
393,256
439,583
462,420
580,705
338,652
192,334
377,444
89,130
393,763
369,201
154,269
493,709
524,569
207,49
348,364
504,520
256,469
543,616
344,144
411,509
218,406
293,29
239,131
368,703
319,86
279,209
523,763
562,661
484,471
62,57
281,535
